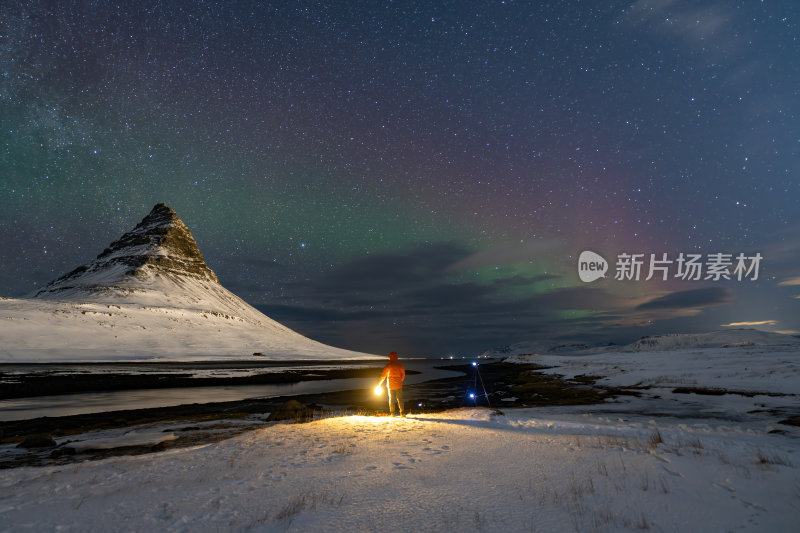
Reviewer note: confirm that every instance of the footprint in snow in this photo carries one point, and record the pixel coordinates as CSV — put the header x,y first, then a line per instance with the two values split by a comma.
x,y
660,457
751,504
729,489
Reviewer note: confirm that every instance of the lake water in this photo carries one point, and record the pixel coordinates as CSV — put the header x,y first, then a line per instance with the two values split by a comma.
x,y
98,402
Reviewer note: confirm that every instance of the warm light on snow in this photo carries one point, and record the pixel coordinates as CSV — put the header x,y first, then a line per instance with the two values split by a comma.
x,y
702,463
546,468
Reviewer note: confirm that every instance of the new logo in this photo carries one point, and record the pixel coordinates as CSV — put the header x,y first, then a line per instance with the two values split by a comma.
x,y
591,266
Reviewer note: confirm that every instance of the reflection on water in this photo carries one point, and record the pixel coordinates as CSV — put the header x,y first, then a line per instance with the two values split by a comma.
x,y
97,402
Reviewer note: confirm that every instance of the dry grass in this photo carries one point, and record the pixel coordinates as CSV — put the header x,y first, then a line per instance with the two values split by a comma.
x,y
308,500
694,445
655,439
772,458
602,469
344,449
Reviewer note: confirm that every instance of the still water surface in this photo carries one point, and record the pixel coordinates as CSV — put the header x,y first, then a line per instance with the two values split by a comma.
x,y
97,402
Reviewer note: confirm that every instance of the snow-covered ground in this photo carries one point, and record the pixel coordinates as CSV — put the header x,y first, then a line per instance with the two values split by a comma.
x,y
769,369
201,321
653,463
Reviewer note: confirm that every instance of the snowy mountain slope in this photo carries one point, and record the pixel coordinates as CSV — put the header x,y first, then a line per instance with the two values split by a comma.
x,y
713,339
150,295
729,338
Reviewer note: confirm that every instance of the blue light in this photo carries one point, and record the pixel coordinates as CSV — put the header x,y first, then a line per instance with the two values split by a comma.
x,y
474,363
471,394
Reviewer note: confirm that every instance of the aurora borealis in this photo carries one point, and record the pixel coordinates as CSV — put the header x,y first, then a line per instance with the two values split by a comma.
x,y
415,176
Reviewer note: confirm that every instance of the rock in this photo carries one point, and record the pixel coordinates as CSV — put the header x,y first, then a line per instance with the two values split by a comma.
x,y
63,451
791,421
39,440
291,410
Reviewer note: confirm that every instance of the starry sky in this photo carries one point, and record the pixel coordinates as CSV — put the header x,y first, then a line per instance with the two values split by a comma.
x,y
417,176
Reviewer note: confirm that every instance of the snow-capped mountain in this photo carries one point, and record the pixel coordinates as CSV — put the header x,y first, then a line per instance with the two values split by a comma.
x,y
160,245
729,338
149,295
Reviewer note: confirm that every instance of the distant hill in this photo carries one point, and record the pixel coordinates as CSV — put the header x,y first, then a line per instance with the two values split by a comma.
x,y
728,338
714,339
149,295
549,347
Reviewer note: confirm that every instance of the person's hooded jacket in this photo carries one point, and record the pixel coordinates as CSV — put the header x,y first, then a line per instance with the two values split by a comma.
x,y
395,371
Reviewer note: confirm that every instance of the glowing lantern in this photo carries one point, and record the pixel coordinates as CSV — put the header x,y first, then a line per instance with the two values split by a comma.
x,y
378,390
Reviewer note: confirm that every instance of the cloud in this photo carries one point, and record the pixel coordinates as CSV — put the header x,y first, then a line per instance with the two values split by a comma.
x,y
581,297
535,250
414,299
790,282
399,269
759,323
517,281
685,20
691,299
301,313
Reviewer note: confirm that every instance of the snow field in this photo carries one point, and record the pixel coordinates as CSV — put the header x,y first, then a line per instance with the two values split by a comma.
x,y
771,369
463,470
156,327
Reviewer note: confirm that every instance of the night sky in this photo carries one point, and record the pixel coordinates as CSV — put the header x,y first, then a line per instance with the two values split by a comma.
x,y
417,176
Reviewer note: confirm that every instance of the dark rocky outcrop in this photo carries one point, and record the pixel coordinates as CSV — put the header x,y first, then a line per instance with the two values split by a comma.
x,y
39,440
291,410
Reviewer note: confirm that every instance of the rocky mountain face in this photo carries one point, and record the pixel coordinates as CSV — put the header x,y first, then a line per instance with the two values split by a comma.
x,y
160,244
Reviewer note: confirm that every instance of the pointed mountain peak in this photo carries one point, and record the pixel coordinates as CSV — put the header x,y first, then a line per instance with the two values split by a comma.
x,y
160,215
160,244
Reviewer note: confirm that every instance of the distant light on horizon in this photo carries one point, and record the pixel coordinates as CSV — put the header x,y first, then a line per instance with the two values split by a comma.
x,y
759,323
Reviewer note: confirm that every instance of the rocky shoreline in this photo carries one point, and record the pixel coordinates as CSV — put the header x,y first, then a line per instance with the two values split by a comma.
x,y
46,380
504,385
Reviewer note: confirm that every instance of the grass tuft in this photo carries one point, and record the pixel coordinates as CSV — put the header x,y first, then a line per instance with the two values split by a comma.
x,y
773,458
308,500
655,439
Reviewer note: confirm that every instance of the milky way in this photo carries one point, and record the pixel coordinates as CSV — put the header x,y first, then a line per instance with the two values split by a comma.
x,y
414,176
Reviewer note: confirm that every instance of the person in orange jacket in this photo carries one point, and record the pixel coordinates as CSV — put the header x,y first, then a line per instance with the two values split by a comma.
x,y
394,373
